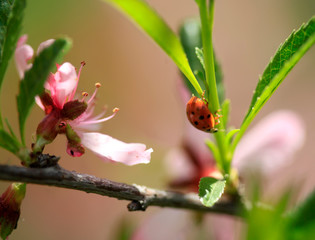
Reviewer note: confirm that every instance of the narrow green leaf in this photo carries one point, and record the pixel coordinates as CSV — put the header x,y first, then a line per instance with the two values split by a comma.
x,y
230,135
219,79
210,190
11,16
146,18
8,142
302,220
199,54
215,151
34,79
226,112
265,221
288,54
11,130
190,37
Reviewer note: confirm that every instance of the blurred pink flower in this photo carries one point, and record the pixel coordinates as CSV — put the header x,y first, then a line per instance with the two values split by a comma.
x,y
24,53
268,146
73,117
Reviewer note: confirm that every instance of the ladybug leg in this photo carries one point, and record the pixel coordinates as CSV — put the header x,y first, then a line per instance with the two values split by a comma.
x,y
217,117
203,97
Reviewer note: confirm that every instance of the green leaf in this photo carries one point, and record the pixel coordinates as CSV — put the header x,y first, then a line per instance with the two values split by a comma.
x,y
215,151
219,79
146,18
302,220
11,16
190,37
226,112
199,54
34,79
288,54
266,221
230,135
210,190
8,142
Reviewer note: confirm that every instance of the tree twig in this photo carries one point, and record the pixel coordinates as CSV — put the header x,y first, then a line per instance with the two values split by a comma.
x,y
140,196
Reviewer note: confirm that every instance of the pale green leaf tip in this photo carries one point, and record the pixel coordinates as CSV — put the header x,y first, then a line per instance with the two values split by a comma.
x,y
209,195
68,42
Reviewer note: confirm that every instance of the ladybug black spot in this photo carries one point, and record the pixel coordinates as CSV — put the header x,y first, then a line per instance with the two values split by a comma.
x,y
201,117
193,113
72,153
196,122
208,116
198,109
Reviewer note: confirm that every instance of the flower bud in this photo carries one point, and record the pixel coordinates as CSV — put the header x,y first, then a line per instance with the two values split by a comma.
x,y
49,127
74,146
10,202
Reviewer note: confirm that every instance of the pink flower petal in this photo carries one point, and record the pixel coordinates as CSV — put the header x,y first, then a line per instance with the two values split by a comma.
x,y
179,162
179,165
196,141
44,45
66,77
39,103
110,149
271,143
62,83
23,53
22,40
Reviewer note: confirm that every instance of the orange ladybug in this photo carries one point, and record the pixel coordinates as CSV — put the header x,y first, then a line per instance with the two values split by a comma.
x,y
200,116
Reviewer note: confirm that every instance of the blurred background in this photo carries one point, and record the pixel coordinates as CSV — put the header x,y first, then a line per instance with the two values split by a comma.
x,y
140,79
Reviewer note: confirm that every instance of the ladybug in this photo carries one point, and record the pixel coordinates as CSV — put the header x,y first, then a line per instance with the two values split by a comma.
x,y
200,116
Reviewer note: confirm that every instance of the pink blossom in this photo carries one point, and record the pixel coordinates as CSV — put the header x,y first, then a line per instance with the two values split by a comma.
x,y
191,161
268,146
110,149
74,117
271,144
24,53
62,84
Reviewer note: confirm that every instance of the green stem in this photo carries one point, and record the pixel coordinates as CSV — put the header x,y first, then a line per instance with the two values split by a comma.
x,y
212,93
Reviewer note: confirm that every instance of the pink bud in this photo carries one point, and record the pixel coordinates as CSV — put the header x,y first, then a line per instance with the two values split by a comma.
x,y
10,203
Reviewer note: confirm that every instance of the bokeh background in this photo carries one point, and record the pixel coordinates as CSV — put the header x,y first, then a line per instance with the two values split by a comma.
x,y
141,80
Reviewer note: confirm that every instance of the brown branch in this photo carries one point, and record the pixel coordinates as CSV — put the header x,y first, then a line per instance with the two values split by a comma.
x,y
141,196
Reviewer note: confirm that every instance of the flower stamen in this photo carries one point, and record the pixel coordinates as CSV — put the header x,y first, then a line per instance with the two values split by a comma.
x,y
75,89
94,121
97,86
84,95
